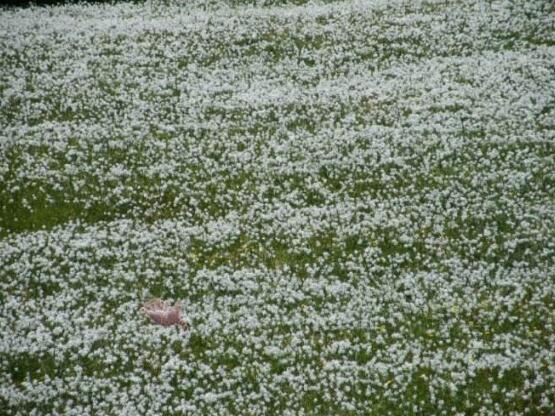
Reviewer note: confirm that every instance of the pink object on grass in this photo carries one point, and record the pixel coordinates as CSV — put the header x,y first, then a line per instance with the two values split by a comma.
x,y
161,313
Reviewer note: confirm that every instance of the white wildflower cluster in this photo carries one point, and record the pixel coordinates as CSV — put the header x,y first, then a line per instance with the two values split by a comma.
x,y
355,201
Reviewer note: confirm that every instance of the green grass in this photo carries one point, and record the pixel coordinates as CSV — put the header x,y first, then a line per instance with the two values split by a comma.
x,y
393,200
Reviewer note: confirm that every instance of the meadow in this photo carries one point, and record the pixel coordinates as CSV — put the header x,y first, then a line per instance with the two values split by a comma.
x,y
355,201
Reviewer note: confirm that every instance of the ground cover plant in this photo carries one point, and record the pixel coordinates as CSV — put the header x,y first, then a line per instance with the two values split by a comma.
x,y
355,202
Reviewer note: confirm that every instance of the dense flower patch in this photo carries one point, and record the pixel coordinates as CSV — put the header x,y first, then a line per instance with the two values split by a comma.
x,y
355,202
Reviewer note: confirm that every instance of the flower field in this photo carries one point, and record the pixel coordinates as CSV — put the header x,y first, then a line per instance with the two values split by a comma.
x,y
354,201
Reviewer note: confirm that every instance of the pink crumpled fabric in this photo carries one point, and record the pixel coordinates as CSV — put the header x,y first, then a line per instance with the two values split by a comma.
x,y
163,314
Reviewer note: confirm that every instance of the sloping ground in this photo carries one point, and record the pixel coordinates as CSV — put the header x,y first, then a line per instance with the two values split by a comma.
x,y
355,200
